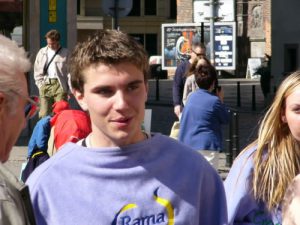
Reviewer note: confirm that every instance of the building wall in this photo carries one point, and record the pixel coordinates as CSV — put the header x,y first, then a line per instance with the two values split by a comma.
x,y
140,25
285,32
184,11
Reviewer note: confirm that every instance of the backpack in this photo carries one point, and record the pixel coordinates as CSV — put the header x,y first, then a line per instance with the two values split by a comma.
x,y
33,162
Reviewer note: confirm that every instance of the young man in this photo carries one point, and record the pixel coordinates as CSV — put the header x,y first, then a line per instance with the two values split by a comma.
x,y
50,73
119,174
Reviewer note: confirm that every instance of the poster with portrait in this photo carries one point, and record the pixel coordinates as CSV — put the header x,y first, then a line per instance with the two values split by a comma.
x,y
177,40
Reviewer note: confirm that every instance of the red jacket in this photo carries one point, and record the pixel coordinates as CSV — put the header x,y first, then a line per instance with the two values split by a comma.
x,y
70,126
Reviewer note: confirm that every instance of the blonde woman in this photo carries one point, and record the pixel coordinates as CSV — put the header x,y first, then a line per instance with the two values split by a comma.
x,y
259,177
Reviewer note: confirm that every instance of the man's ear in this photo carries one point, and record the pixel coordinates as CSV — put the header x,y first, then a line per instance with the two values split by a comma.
x,y
2,104
80,99
147,89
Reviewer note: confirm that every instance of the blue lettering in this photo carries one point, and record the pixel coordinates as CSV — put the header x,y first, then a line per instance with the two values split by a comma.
x,y
136,222
160,218
146,220
125,220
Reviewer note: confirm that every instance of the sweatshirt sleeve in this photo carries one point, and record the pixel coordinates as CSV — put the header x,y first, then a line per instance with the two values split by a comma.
x,y
222,112
240,201
214,199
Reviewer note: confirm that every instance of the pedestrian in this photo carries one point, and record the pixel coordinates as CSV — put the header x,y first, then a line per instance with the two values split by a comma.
x,y
197,50
69,125
50,73
291,203
119,174
15,107
203,115
190,83
260,175
39,140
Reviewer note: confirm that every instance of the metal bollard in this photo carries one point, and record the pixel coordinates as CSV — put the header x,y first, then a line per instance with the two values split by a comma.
x,y
228,141
157,88
235,135
253,98
238,93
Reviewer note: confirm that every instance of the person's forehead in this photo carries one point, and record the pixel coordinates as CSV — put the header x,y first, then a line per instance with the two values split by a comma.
x,y
112,69
51,41
199,49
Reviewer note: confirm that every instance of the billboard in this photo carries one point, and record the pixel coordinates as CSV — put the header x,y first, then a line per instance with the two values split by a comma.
x,y
178,38
224,46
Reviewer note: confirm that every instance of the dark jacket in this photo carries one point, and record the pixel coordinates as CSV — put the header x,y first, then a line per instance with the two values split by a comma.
x,y
179,80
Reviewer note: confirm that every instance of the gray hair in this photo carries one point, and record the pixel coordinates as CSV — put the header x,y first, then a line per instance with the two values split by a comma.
x,y
13,62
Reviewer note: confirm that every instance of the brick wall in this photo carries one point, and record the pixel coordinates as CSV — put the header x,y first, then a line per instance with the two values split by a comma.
x,y
267,25
184,11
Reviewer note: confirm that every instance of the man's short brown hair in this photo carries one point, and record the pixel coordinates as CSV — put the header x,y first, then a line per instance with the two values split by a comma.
x,y
109,47
53,35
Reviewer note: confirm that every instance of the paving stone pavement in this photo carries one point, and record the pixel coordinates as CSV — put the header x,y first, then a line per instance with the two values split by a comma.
x,y
163,117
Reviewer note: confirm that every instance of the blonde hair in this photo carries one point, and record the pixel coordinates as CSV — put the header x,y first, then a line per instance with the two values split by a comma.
x,y
275,170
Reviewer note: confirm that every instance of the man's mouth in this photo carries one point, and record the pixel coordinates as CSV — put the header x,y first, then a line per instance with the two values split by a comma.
x,y
120,122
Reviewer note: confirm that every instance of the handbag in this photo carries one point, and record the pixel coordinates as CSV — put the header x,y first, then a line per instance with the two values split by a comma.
x,y
175,130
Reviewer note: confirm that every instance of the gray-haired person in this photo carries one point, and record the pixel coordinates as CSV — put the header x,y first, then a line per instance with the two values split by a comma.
x,y
15,108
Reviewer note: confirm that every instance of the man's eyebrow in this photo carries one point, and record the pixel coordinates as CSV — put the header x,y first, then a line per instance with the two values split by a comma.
x,y
101,87
136,82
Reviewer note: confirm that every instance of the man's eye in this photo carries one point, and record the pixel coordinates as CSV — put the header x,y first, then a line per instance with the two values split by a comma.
x,y
133,87
104,91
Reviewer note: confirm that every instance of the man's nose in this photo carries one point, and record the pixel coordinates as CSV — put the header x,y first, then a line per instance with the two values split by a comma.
x,y
121,101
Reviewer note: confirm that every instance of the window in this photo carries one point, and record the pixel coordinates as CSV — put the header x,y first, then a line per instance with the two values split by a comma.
x,y
136,8
150,8
290,57
78,7
138,37
173,9
151,44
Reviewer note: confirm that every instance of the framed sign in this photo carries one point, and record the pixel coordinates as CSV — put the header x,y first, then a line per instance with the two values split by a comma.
x,y
252,66
177,40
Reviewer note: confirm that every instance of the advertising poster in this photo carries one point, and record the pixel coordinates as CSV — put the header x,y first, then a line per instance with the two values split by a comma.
x,y
177,40
224,46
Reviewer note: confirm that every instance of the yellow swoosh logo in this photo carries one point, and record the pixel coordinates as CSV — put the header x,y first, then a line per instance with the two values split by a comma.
x,y
167,204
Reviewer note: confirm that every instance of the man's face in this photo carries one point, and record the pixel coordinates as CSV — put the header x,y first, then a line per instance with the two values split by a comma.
x,y
12,123
197,52
52,44
115,97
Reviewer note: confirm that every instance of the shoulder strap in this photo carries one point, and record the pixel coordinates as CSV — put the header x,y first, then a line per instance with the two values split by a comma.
x,y
83,143
48,64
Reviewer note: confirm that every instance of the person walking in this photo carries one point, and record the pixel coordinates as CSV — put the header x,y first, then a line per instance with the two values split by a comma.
x,y
50,73
182,69
203,116
119,174
15,108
